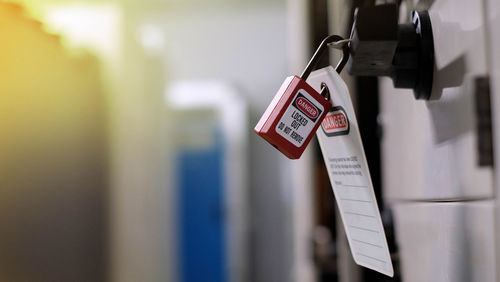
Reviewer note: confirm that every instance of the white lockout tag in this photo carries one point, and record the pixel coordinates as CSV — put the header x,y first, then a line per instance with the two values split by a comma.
x,y
347,168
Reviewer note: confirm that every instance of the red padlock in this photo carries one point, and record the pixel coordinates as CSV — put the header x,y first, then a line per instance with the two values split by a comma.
x,y
293,117
297,110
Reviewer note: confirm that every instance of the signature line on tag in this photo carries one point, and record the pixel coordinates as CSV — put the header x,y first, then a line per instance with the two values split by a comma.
x,y
356,200
364,229
368,243
356,186
371,257
360,214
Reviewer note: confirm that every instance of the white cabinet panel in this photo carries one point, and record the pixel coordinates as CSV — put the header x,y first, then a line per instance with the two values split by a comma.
x,y
429,148
493,16
446,241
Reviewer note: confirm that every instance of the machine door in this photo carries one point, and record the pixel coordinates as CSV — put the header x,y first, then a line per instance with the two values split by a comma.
x,y
430,148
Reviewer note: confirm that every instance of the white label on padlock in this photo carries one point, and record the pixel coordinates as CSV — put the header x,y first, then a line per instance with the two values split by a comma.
x,y
345,161
300,118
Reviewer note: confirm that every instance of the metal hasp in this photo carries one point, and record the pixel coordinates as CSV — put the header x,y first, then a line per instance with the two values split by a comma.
x,y
317,55
381,47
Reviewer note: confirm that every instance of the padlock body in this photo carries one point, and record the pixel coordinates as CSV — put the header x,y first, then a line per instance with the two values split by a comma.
x,y
293,117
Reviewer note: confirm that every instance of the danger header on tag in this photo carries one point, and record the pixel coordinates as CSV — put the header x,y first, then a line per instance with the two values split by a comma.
x,y
336,122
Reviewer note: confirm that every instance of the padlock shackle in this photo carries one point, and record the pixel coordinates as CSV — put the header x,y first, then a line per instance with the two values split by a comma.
x,y
319,52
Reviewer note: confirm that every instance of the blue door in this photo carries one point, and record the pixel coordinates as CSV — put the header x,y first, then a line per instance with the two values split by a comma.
x,y
201,218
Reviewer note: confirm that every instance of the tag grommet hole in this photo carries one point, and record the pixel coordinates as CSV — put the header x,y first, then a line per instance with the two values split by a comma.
x,y
325,92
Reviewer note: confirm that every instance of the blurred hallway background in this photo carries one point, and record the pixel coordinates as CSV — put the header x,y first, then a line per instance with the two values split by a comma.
x,y
127,152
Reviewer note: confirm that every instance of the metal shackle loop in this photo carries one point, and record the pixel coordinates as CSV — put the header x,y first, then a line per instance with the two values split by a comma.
x,y
321,49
